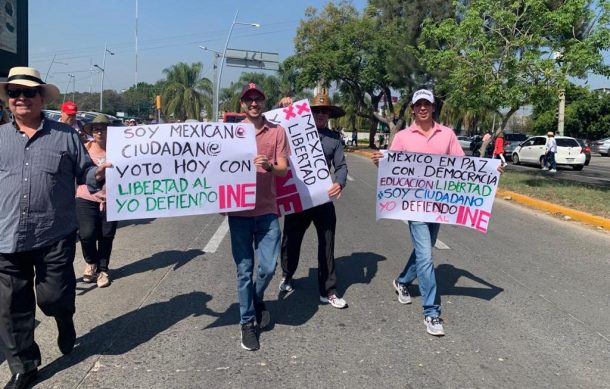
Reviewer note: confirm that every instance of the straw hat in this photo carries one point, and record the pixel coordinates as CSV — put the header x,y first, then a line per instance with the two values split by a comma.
x,y
30,77
321,100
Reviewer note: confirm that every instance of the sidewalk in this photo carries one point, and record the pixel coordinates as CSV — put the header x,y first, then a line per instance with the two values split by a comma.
x,y
584,217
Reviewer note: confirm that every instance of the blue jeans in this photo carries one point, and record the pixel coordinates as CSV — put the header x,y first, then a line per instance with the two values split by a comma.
x,y
420,265
550,160
250,235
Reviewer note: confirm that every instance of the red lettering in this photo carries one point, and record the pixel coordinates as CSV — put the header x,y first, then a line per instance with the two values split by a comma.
x,y
241,195
289,204
483,219
285,185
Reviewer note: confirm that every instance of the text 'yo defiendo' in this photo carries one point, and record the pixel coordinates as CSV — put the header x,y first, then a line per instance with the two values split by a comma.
x,y
437,188
180,169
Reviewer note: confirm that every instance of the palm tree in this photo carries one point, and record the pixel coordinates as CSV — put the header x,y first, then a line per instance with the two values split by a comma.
x,y
229,97
185,93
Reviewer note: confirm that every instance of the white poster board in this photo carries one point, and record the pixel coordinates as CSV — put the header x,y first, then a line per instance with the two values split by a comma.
x,y
437,188
308,180
180,169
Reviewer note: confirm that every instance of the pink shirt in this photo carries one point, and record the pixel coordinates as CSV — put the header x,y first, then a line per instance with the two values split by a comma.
x,y
441,141
82,192
271,141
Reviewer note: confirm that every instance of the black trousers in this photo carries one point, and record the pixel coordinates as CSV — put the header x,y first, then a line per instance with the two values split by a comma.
x,y
95,232
55,285
295,225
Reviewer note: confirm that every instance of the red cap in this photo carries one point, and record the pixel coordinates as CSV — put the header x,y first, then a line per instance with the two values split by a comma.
x,y
69,107
252,87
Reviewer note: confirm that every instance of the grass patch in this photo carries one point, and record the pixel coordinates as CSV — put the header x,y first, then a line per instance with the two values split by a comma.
x,y
569,194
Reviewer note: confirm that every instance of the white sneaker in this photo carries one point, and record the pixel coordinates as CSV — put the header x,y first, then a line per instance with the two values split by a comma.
x,y
334,300
434,326
403,292
286,286
545,168
553,171
90,273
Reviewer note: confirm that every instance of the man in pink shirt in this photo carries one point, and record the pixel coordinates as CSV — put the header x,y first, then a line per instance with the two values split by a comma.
x,y
257,231
423,136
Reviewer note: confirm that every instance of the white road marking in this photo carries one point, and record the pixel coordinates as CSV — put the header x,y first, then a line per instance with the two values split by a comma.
x,y
219,235
438,245
350,178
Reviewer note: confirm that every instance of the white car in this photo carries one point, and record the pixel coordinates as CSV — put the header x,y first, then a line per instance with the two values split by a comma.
x,y
602,146
464,142
532,151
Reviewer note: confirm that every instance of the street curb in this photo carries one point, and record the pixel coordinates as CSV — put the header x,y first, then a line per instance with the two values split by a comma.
x,y
584,217
580,216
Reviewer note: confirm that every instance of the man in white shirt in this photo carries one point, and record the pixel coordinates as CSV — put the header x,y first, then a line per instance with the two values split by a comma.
x,y
551,149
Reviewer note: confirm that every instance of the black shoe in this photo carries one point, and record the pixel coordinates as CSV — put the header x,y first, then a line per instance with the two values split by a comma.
x,y
249,341
66,334
263,318
22,380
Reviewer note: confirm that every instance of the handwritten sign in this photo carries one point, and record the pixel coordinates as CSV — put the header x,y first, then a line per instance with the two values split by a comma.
x,y
180,169
437,188
308,180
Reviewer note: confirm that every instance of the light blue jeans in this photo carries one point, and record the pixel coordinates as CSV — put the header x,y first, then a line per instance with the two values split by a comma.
x,y
420,265
250,235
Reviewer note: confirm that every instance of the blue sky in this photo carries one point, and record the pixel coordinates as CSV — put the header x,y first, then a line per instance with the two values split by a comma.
x,y
75,31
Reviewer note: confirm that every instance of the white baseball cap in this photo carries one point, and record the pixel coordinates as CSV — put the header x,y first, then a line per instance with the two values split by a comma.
x,y
422,94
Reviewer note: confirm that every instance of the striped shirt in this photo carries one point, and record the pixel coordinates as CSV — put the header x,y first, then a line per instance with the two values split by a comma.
x,y
37,184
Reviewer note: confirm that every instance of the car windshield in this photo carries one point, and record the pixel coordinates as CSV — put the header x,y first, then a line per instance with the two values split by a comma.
x,y
515,137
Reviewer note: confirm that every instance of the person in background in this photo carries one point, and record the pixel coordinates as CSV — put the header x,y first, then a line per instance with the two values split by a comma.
x,y
257,231
69,110
551,149
3,113
323,216
355,138
484,142
41,161
96,233
284,102
499,148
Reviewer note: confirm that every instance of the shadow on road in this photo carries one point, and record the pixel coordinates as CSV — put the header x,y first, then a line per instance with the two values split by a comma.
x,y
123,334
447,277
154,262
126,223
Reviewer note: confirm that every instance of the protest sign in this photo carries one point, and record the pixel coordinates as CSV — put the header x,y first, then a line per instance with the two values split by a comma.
x,y
308,180
437,188
180,169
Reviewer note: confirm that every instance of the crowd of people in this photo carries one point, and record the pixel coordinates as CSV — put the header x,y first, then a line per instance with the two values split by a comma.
x,y
53,180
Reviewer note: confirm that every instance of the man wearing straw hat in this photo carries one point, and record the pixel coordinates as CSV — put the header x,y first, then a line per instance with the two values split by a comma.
x,y
40,160
323,216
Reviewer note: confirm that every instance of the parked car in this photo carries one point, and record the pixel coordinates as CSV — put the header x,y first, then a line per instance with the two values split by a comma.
x,y
532,151
51,114
511,141
474,140
88,116
601,146
464,141
585,149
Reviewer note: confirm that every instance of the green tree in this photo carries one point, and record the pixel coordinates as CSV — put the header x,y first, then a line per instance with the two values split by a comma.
x,y
140,100
185,94
498,54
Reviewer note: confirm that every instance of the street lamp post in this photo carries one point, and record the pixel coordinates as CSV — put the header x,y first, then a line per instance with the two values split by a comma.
x,y
222,59
70,78
103,70
217,54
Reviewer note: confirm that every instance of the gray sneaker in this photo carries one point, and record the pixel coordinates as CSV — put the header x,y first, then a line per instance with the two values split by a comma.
x,y
249,340
434,326
286,285
403,292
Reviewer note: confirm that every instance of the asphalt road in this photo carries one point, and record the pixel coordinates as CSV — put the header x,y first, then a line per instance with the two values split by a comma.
x,y
526,305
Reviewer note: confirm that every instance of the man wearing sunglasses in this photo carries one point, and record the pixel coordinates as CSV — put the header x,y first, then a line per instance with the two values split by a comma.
x,y
40,160
257,231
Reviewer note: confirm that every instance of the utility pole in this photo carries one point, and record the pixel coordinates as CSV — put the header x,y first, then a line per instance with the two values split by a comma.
x,y
561,112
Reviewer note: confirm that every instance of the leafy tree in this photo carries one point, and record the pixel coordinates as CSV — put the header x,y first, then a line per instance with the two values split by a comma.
x,y
140,100
185,94
501,54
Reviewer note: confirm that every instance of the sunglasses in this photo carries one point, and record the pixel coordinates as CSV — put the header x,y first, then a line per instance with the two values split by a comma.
x,y
320,110
15,93
99,129
249,100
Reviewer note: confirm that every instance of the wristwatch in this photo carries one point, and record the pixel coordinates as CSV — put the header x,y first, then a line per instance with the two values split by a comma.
x,y
269,167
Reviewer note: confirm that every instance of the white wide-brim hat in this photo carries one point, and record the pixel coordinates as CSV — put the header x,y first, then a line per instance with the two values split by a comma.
x,y
30,77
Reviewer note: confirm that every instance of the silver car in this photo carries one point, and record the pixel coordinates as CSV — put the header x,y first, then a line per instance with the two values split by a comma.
x,y
601,146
